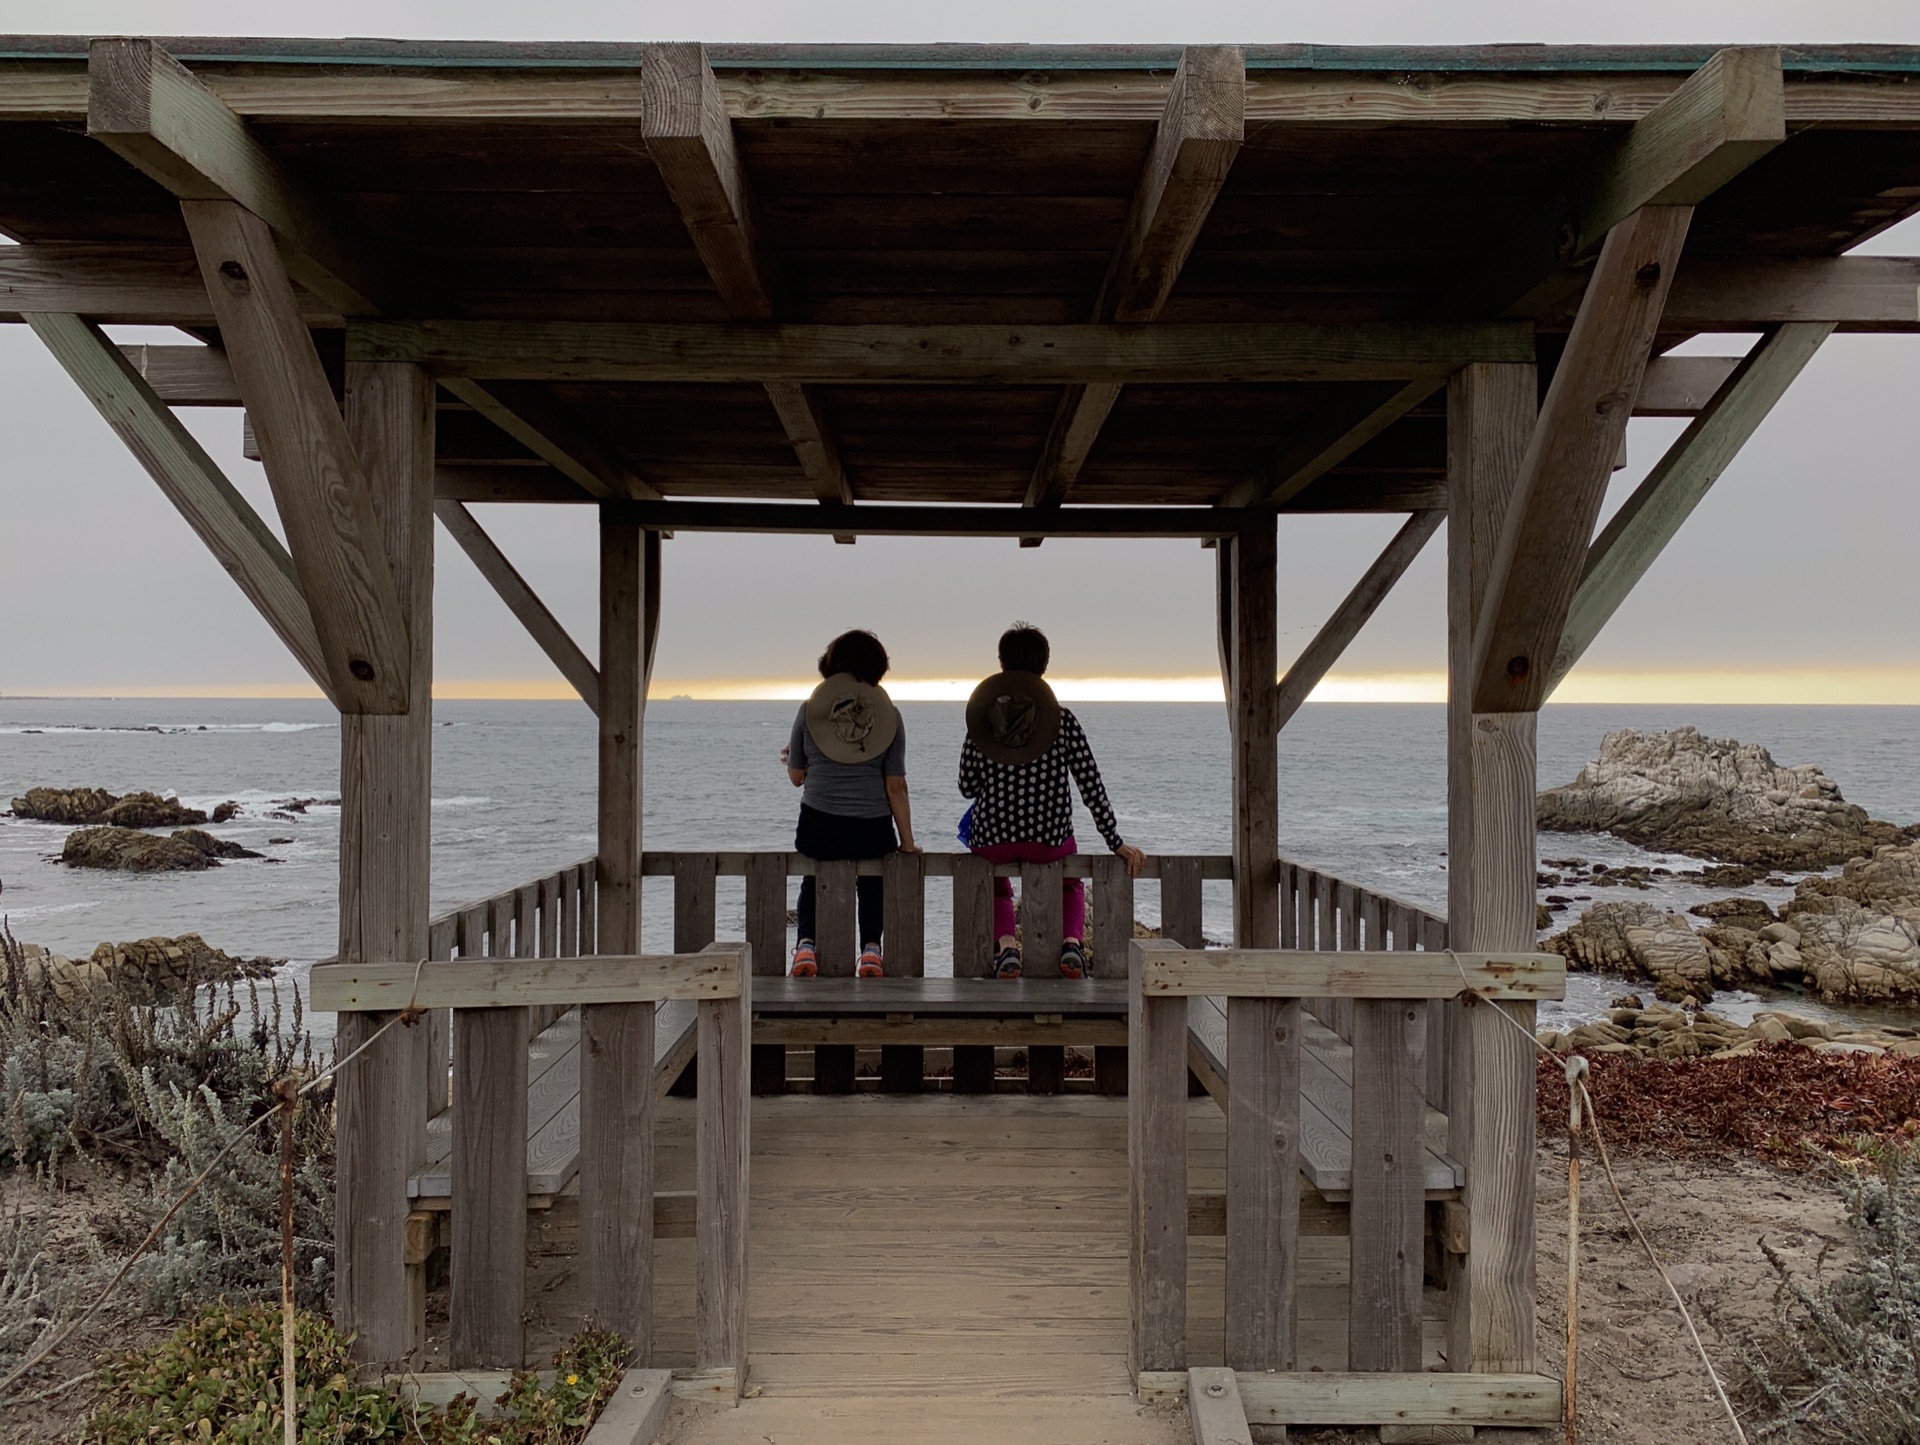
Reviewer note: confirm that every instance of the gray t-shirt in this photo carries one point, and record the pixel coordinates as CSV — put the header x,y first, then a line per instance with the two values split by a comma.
x,y
852,790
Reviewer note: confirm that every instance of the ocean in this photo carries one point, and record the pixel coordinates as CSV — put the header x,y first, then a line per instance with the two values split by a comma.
x,y
1362,795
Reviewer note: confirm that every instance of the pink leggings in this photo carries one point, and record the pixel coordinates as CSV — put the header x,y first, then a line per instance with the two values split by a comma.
x,y
1073,891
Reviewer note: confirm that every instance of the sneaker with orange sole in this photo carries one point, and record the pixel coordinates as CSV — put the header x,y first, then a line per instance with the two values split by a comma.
x,y
805,963
871,965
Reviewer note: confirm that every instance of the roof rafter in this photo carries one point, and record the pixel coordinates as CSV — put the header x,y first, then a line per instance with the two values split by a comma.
x,y
155,113
683,117
1725,116
1199,133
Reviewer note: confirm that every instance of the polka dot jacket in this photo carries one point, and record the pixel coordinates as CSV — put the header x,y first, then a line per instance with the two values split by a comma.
x,y
1030,803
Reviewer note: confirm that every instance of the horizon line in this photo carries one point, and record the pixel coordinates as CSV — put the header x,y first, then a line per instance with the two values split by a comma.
x,y
1863,686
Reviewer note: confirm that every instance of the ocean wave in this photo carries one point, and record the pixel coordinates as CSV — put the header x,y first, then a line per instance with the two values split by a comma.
x,y
15,728
461,802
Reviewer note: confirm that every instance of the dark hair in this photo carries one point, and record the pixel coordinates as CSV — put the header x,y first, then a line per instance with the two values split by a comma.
x,y
858,652
1023,648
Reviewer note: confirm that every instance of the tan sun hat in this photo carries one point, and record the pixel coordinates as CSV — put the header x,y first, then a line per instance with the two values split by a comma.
x,y
851,721
1013,717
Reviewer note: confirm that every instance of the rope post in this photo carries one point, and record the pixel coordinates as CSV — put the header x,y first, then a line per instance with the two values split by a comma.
x,y
1576,1068
287,1091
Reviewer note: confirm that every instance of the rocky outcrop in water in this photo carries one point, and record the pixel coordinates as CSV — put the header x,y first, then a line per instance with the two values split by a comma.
x,y
95,806
146,969
1682,792
1851,938
129,850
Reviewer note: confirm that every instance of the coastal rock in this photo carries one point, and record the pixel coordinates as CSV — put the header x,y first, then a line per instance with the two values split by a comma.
x,y
1682,792
130,850
1661,1032
1643,940
1598,942
146,969
1858,934
71,806
95,806
225,812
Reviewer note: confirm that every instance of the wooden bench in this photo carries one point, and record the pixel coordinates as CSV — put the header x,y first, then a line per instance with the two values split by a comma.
x,y
1326,1103
553,1105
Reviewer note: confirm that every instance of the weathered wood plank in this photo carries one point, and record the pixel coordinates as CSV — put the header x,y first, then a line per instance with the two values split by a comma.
x,y
883,519
185,375
693,902
1263,1191
723,1148
836,906
523,980
522,601
903,1066
1157,1173
1389,1191
1534,570
1252,725
1653,515
617,1040
973,941
1199,133
1319,655
489,1249
1111,912
1214,1412
1365,1398
239,540
319,483
1180,918
766,882
1291,973
968,355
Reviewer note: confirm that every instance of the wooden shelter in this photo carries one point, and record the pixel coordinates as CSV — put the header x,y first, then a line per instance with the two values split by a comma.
x,y
1001,292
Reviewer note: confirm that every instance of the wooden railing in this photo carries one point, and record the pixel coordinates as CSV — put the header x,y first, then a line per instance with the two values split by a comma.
x,y
490,1002
1385,1007
553,917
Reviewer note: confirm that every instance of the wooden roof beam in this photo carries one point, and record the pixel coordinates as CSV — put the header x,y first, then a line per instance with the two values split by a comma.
x,y
190,479
1652,516
1317,658
954,355
683,117
918,520
150,109
1199,133
1569,457
1725,116
522,601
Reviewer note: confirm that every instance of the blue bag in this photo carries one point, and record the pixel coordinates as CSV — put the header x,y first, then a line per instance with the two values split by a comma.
x,y
966,827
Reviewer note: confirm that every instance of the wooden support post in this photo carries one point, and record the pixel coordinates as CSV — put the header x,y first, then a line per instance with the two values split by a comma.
x,y
722,1151
616,1040
1256,764
489,1249
1112,915
973,945
837,922
1389,1208
903,1066
1156,1173
767,937
1263,1182
385,792
1490,890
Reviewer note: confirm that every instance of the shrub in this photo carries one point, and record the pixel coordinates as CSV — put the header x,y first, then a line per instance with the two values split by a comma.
x,y
217,1380
1847,1363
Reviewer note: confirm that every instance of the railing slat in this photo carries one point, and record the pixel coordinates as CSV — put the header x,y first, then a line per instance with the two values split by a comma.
x,y
1157,1175
767,936
973,945
693,902
722,1150
1040,933
489,1246
1180,916
1263,1182
838,942
1112,914
903,1066
1387,1213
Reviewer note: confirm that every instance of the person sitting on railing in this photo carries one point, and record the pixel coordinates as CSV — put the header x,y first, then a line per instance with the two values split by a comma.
x,y
1021,745
848,753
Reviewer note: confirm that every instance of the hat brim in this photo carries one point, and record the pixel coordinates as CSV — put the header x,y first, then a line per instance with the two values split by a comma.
x,y
987,717
851,721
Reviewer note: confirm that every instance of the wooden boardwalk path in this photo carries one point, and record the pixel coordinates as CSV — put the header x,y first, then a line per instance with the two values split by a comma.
x,y
957,1264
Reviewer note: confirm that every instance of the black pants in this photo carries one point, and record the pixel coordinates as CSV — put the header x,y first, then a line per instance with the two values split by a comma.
x,y
832,837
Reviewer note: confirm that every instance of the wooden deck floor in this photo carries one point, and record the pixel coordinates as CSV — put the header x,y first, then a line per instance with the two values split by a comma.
x,y
954,1257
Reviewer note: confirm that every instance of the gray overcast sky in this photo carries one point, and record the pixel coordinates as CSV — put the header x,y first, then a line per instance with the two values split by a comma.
x,y
1799,564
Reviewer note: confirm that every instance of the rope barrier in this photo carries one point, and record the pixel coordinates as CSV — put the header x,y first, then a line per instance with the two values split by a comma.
x,y
1593,1123
407,1017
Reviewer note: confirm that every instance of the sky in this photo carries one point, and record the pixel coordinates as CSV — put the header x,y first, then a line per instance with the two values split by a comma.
x,y
1792,582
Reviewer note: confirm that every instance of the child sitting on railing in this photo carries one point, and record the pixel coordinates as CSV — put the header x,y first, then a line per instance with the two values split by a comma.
x,y
849,753
1021,745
